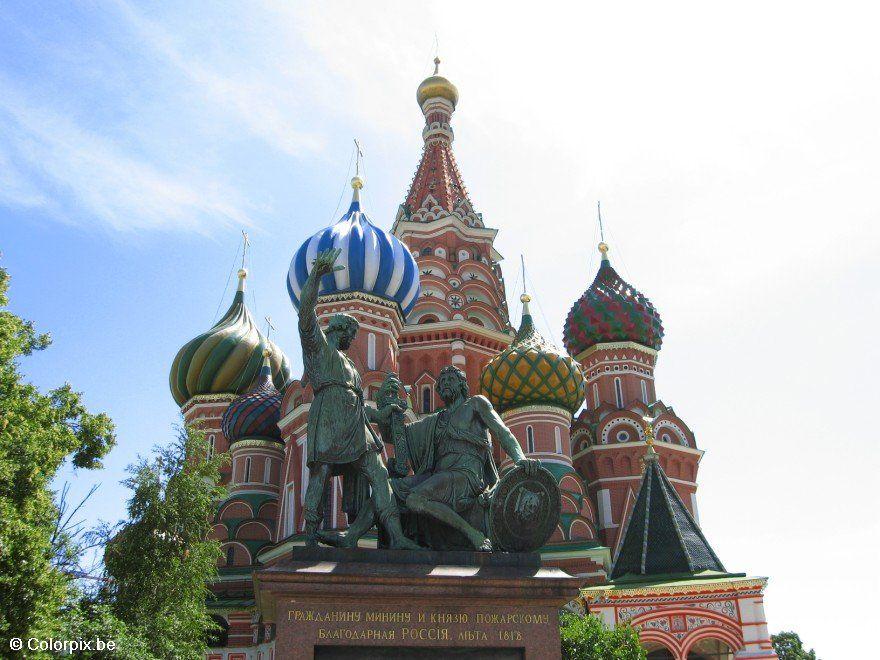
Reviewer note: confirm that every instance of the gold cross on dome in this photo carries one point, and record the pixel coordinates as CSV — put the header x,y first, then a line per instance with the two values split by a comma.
x,y
246,242
360,154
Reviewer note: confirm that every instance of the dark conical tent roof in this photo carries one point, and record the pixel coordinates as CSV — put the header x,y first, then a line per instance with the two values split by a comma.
x,y
662,536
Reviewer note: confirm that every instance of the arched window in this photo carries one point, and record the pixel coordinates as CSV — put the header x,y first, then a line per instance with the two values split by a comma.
x,y
530,440
230,555
710,649
371,350
557,434
656,651
595,395
247,470
426,251
428,318
267,471
426,399
440,252
212,444
644,391
618,392
463,255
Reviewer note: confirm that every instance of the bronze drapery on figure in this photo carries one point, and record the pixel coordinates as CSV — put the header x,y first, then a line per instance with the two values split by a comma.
x,y
340,440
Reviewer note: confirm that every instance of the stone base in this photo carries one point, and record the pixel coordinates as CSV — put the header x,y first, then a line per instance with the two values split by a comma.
x,y
331,603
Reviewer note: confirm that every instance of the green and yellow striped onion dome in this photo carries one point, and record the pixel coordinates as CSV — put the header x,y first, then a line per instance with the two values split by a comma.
x,y
531,372
226,359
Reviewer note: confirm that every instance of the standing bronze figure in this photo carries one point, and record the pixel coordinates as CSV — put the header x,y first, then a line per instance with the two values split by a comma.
x,y
340,440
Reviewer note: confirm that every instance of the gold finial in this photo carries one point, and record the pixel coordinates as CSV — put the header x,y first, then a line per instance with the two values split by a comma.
x,y
436,86
267,352
525,298
603,246
242,276
649,434
356,184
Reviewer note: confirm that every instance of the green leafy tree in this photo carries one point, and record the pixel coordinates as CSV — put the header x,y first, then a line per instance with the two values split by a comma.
x,y
788,646
586,638
90,617
160,561
37,433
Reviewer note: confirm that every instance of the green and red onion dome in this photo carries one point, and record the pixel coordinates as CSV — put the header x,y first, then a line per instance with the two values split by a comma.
x,y
532,372
226,359
611,310
256,413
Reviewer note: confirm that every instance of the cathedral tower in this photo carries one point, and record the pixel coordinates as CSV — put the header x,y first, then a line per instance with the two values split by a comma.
x,y
461,316
615,333
210,370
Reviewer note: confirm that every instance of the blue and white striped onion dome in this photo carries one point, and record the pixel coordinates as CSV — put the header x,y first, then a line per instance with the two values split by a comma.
x,y
376,262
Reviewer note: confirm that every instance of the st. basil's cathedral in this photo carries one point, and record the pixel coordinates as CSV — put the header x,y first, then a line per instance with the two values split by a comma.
x,y
428,293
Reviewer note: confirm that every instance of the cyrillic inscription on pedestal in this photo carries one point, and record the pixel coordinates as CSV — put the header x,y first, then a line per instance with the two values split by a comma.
x,y
496,632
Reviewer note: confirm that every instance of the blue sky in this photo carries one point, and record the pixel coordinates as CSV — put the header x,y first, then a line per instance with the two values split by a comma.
x,y
735,151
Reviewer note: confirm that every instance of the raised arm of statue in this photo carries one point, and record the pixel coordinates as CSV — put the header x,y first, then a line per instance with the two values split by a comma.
x,y
502,434
310,332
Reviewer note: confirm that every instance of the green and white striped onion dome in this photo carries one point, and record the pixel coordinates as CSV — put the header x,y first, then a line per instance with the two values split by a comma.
x,y
227,358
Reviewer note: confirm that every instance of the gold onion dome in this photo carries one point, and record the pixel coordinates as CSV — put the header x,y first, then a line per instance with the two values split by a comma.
x,y
532,371
226,359
437,86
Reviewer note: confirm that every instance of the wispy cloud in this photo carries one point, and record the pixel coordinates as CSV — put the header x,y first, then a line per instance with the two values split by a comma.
x,y
15,189
49,161
175,129
256,100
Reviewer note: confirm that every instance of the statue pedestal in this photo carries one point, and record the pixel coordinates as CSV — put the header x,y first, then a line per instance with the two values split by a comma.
x,y
330,603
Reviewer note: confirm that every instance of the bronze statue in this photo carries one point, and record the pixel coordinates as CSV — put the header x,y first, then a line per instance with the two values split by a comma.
x,y
340,439
453,472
